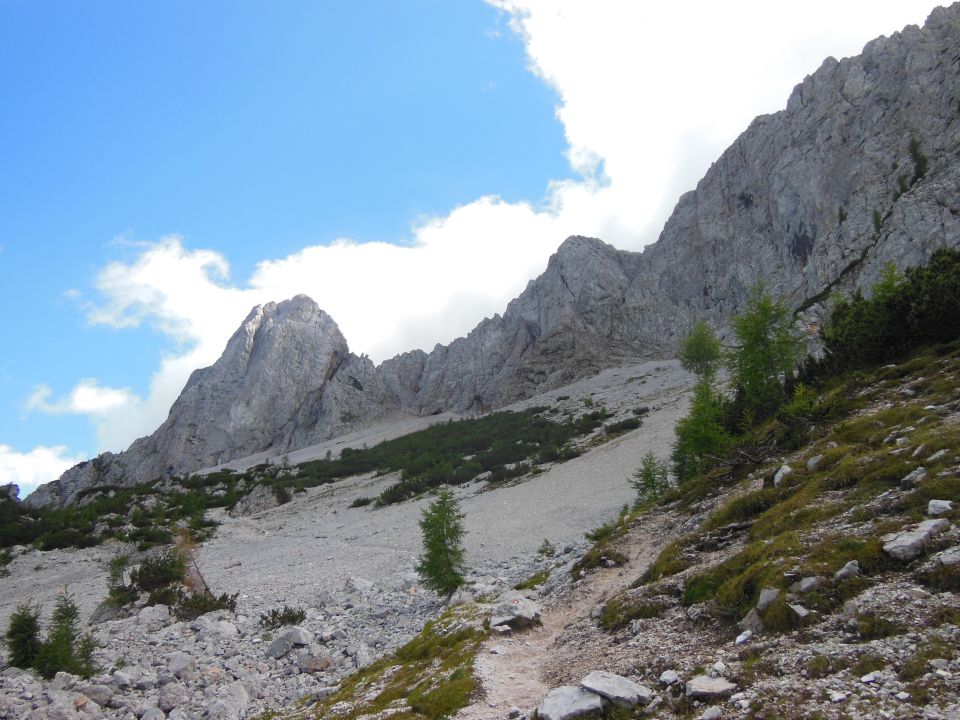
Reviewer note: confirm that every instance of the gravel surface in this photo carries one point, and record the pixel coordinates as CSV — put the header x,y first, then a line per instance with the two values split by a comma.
x,y
289,554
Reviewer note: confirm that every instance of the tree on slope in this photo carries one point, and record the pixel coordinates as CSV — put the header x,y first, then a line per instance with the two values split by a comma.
x,y
441,567
700,352
767,351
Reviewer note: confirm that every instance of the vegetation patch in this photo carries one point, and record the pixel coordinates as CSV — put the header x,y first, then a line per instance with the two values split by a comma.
x,y
429,677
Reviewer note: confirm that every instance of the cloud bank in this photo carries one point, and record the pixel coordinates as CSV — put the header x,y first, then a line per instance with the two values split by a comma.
x,y
648,96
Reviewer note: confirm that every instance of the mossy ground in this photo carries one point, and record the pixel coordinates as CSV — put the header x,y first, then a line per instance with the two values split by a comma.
x,y
429,677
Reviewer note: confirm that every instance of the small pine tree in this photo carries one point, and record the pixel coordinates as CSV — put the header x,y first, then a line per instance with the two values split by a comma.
x,y
23,635
652,479
701,437
766,354
441,567
64,648
700,352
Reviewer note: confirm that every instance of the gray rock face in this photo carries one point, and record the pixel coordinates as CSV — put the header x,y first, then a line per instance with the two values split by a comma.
x,y
860,169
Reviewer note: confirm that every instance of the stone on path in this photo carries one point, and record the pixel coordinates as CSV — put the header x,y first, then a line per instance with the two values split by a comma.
x,y
616,688
568,701
513,608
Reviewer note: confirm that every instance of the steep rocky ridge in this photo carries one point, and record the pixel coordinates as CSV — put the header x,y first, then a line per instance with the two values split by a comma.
x,y
860,169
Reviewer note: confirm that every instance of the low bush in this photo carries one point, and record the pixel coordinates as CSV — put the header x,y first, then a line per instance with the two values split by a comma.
x,y
277,618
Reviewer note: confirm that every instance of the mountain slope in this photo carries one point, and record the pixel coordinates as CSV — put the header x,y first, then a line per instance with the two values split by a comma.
x,y
860,169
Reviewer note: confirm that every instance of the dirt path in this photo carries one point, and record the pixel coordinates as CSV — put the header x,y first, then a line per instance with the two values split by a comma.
x,y
512,668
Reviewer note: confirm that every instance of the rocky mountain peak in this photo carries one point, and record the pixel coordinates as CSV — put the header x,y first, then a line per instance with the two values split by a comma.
x,y
860,169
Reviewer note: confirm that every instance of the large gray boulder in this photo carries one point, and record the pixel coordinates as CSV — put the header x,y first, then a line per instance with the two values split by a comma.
x,y
616,688
911,543
514,609
567,702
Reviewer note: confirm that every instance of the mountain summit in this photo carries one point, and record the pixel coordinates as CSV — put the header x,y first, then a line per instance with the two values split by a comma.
x,y
860,169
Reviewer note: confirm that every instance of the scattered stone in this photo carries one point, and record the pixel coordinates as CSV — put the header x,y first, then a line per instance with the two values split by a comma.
x,y
939,507
800,610
744,637
781,475
568,701
767,596
937,455
909,544
669,677
814,462
461,596
280,646
153,617
807,584
616,688
913,478
180,664
704,687
851,569
712,713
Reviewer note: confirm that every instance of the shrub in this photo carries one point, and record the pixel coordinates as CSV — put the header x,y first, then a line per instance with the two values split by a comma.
x,y
701,437
278,618
23,635
766,354
361,502
547,548
192,605
651,480
160,570
65,649
441,567
118,592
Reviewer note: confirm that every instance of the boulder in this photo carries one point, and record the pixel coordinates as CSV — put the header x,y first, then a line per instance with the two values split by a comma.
x,y
514,609
851,569
180,664
814,462
781,475
153,617
669,677
616,688
280,646
704,687
939,507
767,596
909,544
172,695
913,478
568,701
752,622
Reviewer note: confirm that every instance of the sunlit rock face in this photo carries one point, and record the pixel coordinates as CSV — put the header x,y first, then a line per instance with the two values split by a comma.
x,y
861,169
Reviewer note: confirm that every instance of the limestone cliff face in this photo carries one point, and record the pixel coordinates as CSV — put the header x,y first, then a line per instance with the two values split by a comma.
x,y
286,379
860,169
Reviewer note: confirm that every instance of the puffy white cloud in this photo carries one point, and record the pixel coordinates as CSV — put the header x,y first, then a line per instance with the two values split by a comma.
x,y
30,469
648,96
88,397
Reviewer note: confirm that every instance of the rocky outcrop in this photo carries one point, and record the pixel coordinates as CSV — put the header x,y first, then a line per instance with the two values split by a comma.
x,y
860,169
286,379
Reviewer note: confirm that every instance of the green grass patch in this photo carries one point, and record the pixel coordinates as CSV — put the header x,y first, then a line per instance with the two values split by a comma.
x,y
919,663
430,677
621,610
535,580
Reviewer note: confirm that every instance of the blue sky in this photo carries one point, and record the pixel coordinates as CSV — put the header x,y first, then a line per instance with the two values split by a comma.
x,y
410,165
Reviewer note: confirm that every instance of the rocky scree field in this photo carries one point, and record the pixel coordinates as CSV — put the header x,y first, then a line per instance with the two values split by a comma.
x,y
347,565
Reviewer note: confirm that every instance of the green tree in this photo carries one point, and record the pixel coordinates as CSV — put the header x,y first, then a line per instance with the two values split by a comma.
x,y
65,648
441,567
23,635
767,351
701,437
652,478
700,351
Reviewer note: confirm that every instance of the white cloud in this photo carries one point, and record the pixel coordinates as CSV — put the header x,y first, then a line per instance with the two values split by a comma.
x,y
40,465
648,97
88,397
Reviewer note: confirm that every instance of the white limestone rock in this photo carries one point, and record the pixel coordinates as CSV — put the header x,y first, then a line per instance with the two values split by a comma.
x,y
567,702
616,688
